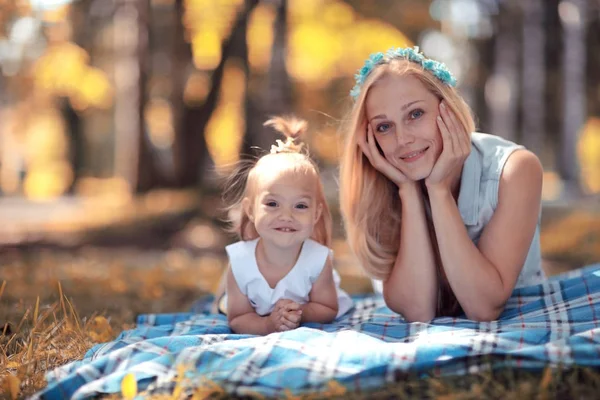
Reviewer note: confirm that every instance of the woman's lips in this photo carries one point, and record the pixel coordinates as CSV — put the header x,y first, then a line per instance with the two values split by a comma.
x,y
413,155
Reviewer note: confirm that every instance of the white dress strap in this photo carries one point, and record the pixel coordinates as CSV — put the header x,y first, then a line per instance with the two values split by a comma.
x,y
314,256
242,257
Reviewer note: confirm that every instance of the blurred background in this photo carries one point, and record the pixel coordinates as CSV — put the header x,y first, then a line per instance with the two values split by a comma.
x,y
118,117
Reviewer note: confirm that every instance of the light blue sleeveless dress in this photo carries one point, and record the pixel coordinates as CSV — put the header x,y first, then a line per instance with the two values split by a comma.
x,y
478,199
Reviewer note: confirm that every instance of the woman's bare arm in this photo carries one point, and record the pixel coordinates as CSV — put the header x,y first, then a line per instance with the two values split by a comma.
x,y
412,287
484,277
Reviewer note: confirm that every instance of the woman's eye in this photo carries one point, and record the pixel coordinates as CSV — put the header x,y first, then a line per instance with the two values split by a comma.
x,y
381,128
416,114
302,206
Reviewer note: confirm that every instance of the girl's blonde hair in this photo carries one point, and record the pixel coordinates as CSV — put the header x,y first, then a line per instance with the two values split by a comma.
x,y
369,201
286,157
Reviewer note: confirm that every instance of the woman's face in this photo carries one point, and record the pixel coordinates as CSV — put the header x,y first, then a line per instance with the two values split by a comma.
x,y
402,114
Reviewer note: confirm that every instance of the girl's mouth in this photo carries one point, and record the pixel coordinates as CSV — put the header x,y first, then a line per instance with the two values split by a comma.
x,y
287,230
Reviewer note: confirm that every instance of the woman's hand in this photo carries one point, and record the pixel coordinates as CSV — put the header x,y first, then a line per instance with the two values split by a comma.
x,y
369,149
285,315
456,148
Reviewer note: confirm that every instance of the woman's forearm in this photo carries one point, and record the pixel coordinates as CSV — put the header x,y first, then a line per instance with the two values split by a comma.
x,y
475,282
412,287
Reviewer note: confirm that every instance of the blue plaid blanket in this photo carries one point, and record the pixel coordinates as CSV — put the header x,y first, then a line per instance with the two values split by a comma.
x,y
553,323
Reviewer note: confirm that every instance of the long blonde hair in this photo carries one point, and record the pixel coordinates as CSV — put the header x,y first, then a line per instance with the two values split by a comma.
x,y
369,201
286,157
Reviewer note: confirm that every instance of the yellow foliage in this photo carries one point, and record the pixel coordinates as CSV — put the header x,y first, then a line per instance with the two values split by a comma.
x,y
328,40
206,49
314,51
260,36
209,21
64,71
338,14
56,14
94,90
589,155
224,133
129,386
61,68
45,139
48,180
225,129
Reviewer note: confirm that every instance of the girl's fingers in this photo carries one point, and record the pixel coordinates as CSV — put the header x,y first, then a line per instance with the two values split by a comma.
x,y
292,317
292,306
289,324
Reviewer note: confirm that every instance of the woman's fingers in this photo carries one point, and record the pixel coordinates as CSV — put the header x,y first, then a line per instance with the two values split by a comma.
x,y
371,143
446,139
461,140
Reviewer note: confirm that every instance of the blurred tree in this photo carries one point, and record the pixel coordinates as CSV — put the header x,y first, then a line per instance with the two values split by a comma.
x,y
276,97
191,155
573,15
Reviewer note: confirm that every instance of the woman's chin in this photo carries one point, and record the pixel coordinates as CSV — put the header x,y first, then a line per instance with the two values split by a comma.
x,y
417,175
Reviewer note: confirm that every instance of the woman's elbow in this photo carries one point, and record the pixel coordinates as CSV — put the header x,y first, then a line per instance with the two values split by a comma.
x,y
487,314
410,313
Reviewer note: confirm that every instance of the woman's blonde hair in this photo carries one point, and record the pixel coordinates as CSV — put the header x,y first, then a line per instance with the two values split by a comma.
x,y
286,157
369,201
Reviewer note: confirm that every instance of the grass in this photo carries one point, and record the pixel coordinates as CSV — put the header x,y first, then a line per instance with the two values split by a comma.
x,y
56,305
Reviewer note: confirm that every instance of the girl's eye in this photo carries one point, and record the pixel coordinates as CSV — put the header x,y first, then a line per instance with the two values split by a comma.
x,y
416,114
302,206
271,204
382,128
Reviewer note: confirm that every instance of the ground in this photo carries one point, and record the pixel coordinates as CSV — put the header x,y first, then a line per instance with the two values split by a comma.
x,y
83,280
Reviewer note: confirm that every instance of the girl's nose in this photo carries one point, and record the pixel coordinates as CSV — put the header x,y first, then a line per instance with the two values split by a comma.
x,y
285,214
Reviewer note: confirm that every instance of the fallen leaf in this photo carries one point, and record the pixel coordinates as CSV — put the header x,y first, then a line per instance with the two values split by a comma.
x,y
129,386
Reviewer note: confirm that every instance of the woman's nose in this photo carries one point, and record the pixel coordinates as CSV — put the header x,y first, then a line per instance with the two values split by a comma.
x,y
404,137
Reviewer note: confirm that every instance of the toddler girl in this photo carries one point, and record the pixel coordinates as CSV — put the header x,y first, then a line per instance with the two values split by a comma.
x,y
281,272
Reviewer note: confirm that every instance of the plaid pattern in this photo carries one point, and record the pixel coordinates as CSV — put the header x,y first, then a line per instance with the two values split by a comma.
x,y
552,323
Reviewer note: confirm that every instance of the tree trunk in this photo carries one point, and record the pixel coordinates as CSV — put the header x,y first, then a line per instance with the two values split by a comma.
x,y
502,95
191,152
533,76
133,157
277,98
574,101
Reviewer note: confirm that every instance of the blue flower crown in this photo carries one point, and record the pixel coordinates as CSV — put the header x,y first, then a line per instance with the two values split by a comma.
x,y
437,68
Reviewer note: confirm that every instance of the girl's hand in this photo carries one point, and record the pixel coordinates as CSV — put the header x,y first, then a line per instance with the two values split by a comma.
x,y
285,315
369,149
456,148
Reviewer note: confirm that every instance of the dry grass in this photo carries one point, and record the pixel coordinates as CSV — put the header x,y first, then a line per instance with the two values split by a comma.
x,y
47,324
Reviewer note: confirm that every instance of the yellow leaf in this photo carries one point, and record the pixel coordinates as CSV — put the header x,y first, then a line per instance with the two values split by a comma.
x,y
129,386
13,385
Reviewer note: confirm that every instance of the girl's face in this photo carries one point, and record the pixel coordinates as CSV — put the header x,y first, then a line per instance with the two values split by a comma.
x,y
402,114
284,209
